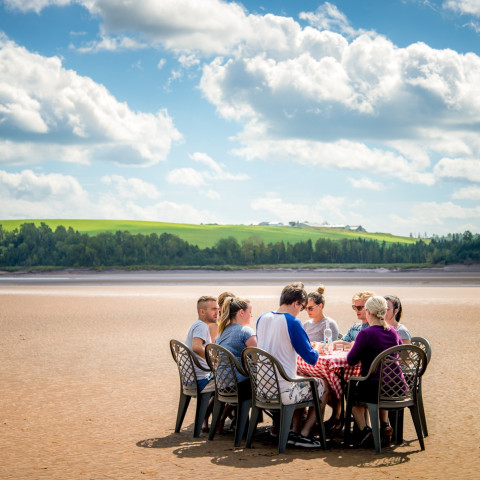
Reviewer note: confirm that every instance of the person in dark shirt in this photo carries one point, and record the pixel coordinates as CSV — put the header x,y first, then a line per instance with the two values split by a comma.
x,y
369,343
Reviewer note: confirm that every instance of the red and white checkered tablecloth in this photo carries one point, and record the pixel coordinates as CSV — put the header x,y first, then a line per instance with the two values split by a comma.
x,y
329,367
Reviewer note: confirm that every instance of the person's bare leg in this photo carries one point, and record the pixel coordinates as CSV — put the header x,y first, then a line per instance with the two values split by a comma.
x,y
311,416
359,415
207,414
298,420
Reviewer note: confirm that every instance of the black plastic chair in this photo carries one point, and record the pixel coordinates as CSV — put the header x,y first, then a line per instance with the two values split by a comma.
x,y
398,370
224,365
186,360
424,344
264,371
396,417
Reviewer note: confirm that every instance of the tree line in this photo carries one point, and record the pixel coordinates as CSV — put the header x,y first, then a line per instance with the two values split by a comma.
x,y
32,246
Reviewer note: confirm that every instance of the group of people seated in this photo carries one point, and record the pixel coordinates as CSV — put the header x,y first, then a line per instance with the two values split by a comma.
x,y
225,320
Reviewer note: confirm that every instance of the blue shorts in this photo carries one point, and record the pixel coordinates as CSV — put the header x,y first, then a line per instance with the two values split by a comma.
x,y
203,382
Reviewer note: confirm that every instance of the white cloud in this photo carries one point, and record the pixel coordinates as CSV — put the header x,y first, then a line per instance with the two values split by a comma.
x,y
285,212
41,195
188,61
210,26
329,17
161,63
186,176
366,184
467,193
341,155
197,178
112,44
46,107
34,5
36,195
471,7
438,217
311,84
212,195
131,187
165,211
458,168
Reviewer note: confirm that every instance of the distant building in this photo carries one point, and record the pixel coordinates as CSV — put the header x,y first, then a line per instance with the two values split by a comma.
x,y
353,228
271,224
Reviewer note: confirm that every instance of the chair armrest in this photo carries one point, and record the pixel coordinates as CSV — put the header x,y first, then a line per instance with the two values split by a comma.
x,y
357,379
197,363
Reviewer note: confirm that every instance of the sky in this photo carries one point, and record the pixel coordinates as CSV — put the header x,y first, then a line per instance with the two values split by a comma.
x,y
350,112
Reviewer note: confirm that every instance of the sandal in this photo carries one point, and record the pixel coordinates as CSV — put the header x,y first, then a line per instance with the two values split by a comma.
x,y
334,424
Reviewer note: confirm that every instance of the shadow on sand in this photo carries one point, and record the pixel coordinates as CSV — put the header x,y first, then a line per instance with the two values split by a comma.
x,y
264,451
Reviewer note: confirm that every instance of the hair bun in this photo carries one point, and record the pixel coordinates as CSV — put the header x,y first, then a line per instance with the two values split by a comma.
x,y
321,289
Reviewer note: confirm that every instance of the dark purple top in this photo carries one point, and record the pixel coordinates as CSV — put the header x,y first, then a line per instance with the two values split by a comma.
x,y
369,343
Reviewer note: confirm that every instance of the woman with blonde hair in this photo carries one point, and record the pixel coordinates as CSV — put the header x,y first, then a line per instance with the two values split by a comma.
x,y
369,343
213,327
235,334
234,331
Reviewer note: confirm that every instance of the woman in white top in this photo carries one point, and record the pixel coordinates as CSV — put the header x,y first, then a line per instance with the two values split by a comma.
x,y
315,327
393,316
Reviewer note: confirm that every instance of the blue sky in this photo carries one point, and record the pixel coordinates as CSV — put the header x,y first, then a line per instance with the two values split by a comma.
x,y
347,112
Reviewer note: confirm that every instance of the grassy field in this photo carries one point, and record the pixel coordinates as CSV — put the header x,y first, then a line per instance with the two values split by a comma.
x,y
208,235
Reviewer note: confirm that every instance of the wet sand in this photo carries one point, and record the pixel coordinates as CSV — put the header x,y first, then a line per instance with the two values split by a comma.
x,y
90,391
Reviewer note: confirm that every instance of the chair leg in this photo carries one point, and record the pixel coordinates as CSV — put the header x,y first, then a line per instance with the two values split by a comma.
x,y
321,428
202,405
399,431
216,414
183,403
286,416
242,421
418,424
422,411
375,421
348,425
252,426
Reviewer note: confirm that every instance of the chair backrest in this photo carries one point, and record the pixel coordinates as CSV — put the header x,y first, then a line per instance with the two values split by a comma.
x,y
224,366
424,344
399,369
263,370
186,361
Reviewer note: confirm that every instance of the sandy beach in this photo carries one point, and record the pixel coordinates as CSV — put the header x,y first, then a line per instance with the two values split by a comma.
x,y
90,391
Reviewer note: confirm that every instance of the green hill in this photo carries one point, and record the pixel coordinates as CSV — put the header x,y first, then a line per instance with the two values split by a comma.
x,y
208,235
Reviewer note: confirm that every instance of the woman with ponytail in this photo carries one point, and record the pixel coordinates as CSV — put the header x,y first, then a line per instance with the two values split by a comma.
x,y
315,327
234,331
234,334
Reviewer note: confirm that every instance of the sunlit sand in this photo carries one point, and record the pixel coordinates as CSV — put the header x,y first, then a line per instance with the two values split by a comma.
x,y
89,388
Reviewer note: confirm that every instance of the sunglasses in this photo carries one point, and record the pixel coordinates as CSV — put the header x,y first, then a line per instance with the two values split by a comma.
x,y
302,307
358,307
309,309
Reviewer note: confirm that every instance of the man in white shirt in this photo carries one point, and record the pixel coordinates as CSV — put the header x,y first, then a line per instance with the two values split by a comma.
x,y
282,335
197,339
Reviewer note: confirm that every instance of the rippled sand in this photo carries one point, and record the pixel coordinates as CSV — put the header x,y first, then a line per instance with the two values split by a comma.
x,y
89,389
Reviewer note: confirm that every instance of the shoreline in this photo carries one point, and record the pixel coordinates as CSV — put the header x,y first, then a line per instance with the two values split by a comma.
x,y
458,275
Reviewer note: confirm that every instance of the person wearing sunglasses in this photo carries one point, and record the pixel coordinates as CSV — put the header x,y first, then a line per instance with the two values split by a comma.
x,y
315,326
282,335
358,305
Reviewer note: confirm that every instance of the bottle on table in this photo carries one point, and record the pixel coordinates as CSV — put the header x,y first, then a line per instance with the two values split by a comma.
x,y
328,338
